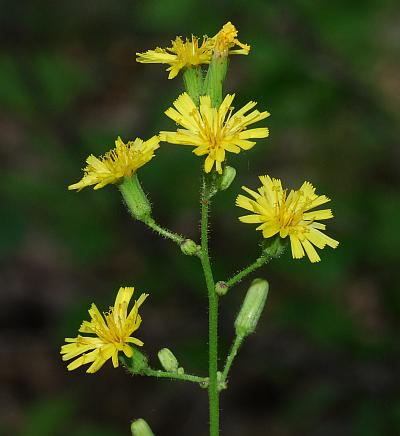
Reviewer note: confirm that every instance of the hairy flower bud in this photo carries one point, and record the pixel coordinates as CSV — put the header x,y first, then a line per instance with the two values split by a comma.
x,y
135,198
190,248
221,288
141,428
168,361
252,307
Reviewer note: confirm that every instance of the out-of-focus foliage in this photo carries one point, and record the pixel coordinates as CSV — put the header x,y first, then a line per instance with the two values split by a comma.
x,y
325,359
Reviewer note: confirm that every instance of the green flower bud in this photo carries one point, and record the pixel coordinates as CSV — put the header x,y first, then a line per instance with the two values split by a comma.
x,y
228,176
168,360
190,248
139,362
135,198
252,307
141,428
221,288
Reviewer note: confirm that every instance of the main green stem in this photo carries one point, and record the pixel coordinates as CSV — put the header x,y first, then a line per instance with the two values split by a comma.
x,y
213,394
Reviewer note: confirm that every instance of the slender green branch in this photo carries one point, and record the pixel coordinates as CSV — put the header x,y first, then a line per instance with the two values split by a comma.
x,y
187,246
274,250
178,239
263,259
231,356
213,392
174,375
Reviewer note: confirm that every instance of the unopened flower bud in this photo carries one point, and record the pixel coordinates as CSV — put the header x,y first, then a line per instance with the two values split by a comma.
x,y
139,362
228,176
141,428
221,288
190,248
168,360
252,307
135,198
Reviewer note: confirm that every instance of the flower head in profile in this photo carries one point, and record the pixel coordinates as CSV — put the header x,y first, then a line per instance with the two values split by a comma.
x,y
122,161
278,212
214,131
226,39
112,333
188,52
182,54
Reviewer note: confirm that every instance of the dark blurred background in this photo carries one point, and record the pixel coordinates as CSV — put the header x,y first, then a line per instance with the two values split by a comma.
x,y
325,358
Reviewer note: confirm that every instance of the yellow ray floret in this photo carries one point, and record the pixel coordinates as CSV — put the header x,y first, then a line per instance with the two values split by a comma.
x,y
226,39
112,333
187,53
213,131
122,161
181,54
289,215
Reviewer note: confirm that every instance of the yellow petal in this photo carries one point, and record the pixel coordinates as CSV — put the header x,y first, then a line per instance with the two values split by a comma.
x,y
82,360
297,248
127,350
270,230
318,215
208,164
310,250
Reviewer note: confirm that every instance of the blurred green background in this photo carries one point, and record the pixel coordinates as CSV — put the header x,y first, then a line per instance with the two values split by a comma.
x,y
325,358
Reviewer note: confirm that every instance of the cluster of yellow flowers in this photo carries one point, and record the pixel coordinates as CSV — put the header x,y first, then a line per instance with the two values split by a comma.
x,y
212,131
188,53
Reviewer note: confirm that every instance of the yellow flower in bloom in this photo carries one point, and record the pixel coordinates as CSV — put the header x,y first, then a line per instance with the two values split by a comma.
x,y
112,333
189,53
182,54
214,131
289,215
120,162
226,39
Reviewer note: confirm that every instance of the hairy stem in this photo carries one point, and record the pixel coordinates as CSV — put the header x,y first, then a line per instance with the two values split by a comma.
x,y
178,239
173,375
231,356
213,393
263,259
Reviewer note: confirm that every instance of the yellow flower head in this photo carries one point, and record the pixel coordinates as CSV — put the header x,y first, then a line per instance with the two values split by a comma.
x,y
288,215
226,38
182,54
189,53
120,162
112,333
214,131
